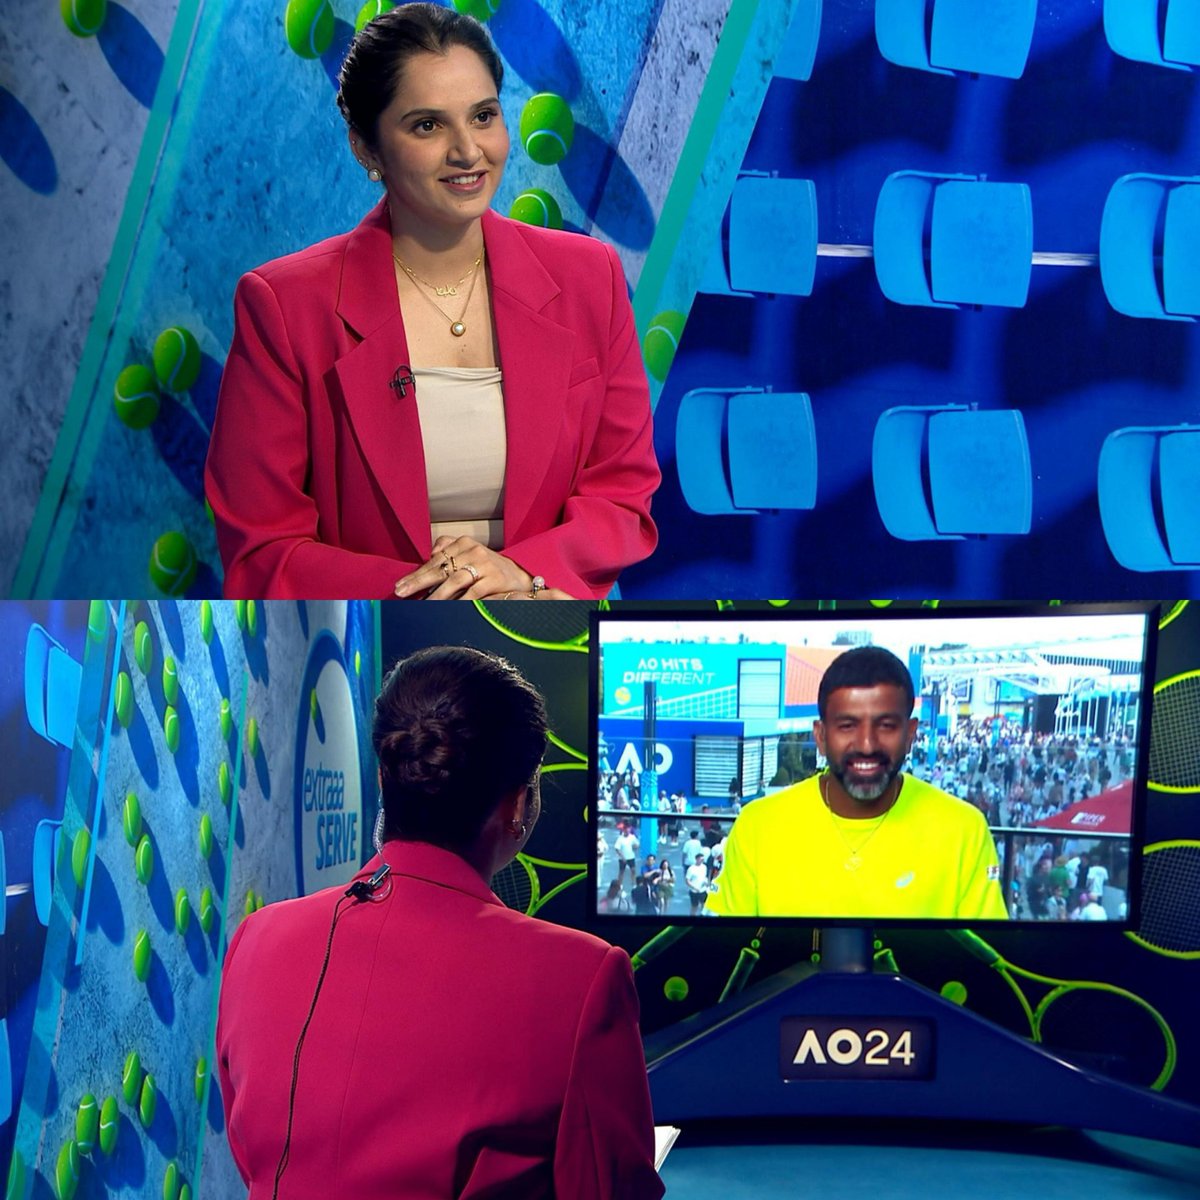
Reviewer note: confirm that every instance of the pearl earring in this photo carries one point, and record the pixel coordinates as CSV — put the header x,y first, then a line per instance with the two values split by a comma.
x,y
374,174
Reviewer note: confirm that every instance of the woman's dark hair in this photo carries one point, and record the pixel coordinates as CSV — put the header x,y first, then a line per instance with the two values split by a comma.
x,y
864,666
455,730
370,74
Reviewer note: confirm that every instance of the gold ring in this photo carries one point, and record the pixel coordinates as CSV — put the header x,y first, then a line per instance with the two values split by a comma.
x,y
471,571
453,564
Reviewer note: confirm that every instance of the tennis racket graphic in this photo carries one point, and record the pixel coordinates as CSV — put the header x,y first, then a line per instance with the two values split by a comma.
x,y
543,625
1170,922
1170,612
1175,735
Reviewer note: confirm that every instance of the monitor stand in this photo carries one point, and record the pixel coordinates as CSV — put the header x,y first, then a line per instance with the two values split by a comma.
x,y
841,1039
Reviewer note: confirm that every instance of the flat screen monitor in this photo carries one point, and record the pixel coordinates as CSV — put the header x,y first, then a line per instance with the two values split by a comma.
x,y
950,766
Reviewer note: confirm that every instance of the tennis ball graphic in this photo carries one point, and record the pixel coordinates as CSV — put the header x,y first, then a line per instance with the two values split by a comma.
x,y
208,909
131,1077
143,859
110,1123
176,359
170,680
547,128
537,207
131,819
206,620
183,912
148,1103
308,26
141,956
143,647
87,1123
136,396
173,563
676,988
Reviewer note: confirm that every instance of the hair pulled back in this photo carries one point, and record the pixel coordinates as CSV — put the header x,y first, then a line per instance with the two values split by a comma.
x,y
864,666
370,74
456,729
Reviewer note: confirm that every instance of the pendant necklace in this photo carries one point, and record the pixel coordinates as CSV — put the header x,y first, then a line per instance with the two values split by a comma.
x,y
457,328
854,853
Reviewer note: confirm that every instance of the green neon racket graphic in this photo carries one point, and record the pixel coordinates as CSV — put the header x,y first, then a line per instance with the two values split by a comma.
x,y
1170,921
542,624
1175,735
529,883
1170,612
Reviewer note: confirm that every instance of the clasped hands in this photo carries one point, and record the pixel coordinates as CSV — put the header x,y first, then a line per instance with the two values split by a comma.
x,y
463,569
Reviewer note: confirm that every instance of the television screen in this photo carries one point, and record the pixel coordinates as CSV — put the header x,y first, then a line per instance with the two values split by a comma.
x,y
943,765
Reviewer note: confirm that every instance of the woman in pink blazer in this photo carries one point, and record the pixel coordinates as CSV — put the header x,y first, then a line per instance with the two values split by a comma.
x,y
419,1040
347,459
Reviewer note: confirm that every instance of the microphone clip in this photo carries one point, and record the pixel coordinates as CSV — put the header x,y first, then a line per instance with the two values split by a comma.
x,y
402,380
364,889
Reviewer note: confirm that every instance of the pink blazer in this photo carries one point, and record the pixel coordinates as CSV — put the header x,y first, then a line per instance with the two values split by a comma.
x,y
316,473
458,1049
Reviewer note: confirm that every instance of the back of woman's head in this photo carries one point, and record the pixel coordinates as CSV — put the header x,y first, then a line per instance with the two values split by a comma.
x,y
456,729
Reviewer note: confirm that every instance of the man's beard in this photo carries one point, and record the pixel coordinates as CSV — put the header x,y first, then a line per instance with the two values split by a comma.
x,y
866,792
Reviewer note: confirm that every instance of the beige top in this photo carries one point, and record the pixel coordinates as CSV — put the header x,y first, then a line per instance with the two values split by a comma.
x,y
461,410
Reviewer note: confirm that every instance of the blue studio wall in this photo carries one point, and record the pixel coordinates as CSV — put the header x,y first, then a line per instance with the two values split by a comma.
x,y
179,765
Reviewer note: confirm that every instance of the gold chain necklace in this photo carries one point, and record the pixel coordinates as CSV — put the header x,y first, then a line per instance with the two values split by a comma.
x,y
854,853
450,289
457,328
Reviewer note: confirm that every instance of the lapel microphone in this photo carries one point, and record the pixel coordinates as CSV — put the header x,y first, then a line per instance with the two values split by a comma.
x,y
402,380
364,889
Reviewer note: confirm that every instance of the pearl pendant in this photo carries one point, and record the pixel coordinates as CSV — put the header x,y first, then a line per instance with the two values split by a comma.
x,y
458,329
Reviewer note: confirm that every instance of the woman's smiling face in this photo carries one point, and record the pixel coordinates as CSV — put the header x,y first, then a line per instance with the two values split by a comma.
x,y
442,142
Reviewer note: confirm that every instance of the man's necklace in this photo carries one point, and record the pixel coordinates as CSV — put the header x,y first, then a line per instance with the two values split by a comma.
x,y
854,853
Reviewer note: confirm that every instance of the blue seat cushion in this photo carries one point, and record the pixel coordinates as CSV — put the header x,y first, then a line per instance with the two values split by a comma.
x,y
982,243
979,472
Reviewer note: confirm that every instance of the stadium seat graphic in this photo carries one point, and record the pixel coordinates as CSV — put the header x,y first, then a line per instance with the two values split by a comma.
x,y
978,37
6,1075
772,239
1138,30
45,854
799,50
1132,462
52,679
744,450
947,472
980,241
1138,207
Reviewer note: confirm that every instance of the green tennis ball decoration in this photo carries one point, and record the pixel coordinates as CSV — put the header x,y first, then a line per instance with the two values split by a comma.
x,y
481,10
131,819
225,716
954,991
200,1078
206,619
131,1075
369,11
81,847
206,835
141,956
176,359
239,613
259,901
143,647
83,17
358,662
170,681
148,1104
97,620
676,988
87,1123
661,342
15,1188
171,729
537,207
252,737
173,563
208,910
171,1182
110,1122
185,1192
313,706
308,25
547,128
183,912
225,784
143,859
66,1171
250,904
124,699
251,618
136,396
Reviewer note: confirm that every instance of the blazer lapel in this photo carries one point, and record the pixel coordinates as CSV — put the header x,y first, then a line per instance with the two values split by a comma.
x,y
385,422
535,356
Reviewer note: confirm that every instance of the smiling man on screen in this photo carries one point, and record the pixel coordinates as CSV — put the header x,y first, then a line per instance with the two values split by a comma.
x,y
862,839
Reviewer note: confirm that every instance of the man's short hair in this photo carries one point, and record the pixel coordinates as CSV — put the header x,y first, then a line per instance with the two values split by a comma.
x,y
865,666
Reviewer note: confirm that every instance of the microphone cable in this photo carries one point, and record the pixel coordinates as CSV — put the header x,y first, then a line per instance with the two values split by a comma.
x,y
358,891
